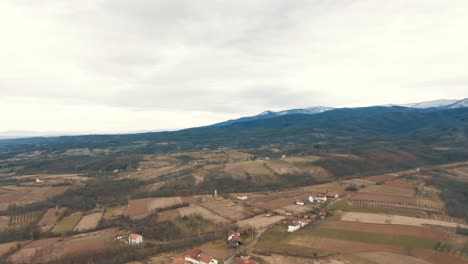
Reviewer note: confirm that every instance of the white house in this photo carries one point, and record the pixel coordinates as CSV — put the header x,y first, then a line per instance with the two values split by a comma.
x,y
294,227
197,256
39,180
135,239
317,198
331,195
243,198
300,202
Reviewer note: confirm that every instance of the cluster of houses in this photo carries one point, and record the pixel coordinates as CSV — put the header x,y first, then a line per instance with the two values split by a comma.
x,y
129,238
233,239
318,198
196,256
295,223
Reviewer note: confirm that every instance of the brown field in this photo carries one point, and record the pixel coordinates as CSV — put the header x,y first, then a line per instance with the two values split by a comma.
x,y
391,258
301,160
282,259
88,222
415,231
381,178
387,189
237,156
395,220
402,184
281,167
225,208
27,195
350,247
44,250
89,242
205,213
34,250
169,215
50,218
298,209
260,221
404,201
218,250
6,247
140,208
257,170
4,222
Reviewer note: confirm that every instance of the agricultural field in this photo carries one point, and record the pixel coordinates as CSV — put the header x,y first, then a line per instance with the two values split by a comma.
x,y
140,208
67,223
258,171
396,220
114,211
26,195
225,208
6,247
89,222
4,222
18,221
50,218
376,199
260,221
346,206
203,212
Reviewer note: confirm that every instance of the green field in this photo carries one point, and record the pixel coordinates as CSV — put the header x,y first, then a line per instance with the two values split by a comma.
x,y
373,238
347,207
67,223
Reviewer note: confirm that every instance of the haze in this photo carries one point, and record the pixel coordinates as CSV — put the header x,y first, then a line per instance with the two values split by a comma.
x,y
117,66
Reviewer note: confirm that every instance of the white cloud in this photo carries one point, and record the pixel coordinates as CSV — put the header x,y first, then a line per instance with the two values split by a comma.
x,y
185,63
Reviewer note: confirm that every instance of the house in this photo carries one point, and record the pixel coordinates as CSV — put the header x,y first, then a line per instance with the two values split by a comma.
x,y
300,202
39,180
304,222
283,157
319,198
323,213
331,195
294,227
242,198
119,236
234,240
208,260
135,239
197,256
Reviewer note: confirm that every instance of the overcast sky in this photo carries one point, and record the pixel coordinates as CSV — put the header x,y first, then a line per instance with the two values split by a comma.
x,y
108,66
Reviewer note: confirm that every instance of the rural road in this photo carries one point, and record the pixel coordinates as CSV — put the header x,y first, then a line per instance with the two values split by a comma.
x,y
249,246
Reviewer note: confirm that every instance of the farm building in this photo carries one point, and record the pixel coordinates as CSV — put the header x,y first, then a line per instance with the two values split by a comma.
x,y
197,256
300,203
294,227
234,240
331,195
135,239
244,260
317,198
242,198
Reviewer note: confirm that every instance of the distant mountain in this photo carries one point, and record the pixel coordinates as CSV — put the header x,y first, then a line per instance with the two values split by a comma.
x,y
270,114
458,104
434,103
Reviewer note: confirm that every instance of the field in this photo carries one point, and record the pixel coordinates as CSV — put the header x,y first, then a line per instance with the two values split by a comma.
x,y
4,222
260,221
395,220
6,247
50,218
67,223
88,222
390,258
114,211
414,231
140,208
397,201
20,220
26,195
345,206
388,189
205,213
258,171
225,208
36,250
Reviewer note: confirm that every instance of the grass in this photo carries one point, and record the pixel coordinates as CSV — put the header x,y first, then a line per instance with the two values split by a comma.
x,y
347,207
67,223
390,190
372,238
114,211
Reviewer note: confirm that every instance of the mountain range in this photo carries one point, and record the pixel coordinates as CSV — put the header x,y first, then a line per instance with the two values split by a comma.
x,y
441,104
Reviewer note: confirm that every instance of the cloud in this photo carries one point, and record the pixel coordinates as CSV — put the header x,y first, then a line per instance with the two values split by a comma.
x,y
226,58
